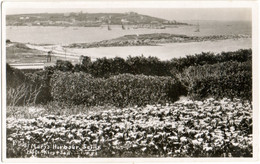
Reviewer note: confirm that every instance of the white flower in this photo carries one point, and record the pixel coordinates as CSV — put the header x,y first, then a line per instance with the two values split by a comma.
x,y
119,135
116,142
144,148
173,138
235,143
70,135
196,142
183,139
208,148
149,136
200,139
228,134
134,145
76,141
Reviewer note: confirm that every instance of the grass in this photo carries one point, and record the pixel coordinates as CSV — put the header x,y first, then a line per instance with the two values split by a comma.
x,y
52,108
20,53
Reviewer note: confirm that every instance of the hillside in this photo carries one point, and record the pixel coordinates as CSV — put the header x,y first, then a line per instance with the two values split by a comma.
x,y
85,19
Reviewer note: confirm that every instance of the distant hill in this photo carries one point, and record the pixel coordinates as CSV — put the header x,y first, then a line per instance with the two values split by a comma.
x,y
85,19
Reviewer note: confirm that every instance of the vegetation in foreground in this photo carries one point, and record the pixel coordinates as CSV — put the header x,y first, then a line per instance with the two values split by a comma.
x,y
135,81
207,128
216,127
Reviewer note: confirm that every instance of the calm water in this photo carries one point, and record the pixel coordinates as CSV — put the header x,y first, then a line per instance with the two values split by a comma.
x,y
62,35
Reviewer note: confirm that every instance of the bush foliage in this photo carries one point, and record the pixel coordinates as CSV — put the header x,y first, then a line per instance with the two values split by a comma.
x,y
14,77
242,55
120,90
140,80
104,67
152,66
228,79
27,83
17,86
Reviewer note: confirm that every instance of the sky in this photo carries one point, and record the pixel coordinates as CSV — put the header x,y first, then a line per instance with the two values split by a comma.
x,y
221,14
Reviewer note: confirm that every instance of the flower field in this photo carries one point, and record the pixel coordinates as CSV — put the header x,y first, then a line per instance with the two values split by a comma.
x,y
207,128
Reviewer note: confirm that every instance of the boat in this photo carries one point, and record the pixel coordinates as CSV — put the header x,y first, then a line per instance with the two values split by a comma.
x,y
135,27
162,27
198,28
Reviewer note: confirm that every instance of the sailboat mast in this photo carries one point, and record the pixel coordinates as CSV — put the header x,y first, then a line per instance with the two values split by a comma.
x,y
108,22
123,27
197,28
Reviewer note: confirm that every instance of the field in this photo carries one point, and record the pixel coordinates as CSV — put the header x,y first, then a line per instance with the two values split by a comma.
x,y
187,128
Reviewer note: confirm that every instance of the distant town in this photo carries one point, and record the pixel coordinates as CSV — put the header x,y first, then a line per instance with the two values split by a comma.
x,y
81,19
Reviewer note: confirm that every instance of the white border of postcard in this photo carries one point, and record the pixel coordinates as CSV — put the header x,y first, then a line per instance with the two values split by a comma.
x,y
254,5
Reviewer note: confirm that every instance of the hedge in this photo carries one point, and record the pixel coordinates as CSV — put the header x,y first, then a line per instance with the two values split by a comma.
x,y
228,79
151,66
121,90
104,67
205,74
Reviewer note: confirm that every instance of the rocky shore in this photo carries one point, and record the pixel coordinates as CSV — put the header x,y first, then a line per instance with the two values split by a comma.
x,y
153,40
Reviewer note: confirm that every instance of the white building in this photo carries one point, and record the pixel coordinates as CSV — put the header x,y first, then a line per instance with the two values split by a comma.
x,y
124,21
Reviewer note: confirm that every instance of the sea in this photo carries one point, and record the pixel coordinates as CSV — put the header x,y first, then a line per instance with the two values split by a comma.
x,y
66,35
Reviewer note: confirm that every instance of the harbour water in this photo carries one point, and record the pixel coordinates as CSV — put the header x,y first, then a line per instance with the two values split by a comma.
x,y
60,36
68,35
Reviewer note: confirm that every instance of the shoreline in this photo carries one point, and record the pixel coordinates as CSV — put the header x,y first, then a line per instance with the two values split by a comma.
x,y
161,50
153,40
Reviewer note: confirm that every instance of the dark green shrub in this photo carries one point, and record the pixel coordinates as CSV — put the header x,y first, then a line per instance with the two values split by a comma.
x,y
72,87
85,64
106,67
121,90
15,86
42,79
102,67
24,89
35,81
148,66
64,66
127,89
227,79
179,64
14,77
